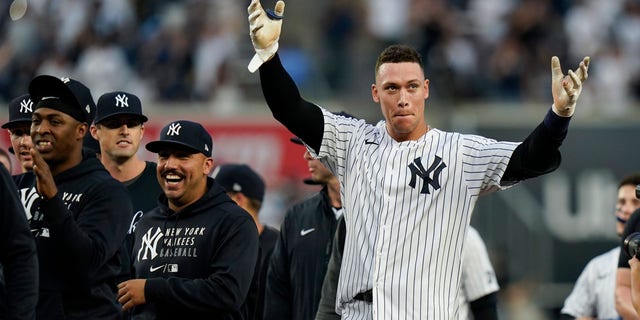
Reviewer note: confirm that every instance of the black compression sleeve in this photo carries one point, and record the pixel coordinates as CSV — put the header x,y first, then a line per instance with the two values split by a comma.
x,y
302,118
538,153
485,308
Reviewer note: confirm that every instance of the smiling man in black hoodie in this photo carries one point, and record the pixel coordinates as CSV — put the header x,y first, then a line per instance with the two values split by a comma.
x,y
77,212
194,255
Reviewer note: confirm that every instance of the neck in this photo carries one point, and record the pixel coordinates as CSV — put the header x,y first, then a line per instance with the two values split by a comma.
x,y
72,161
254,216
333,189
123,171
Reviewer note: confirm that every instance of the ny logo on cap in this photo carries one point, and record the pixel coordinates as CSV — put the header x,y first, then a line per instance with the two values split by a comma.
x,y
122,101
206,147
26,106
65,79
174,129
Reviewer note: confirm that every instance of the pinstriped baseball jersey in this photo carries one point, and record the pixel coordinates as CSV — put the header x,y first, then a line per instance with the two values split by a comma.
x,y
407,208
478,278
594,291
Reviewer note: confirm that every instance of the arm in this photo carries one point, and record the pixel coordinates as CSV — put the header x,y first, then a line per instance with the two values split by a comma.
x,y
485,308
539,154
17,254
327,305
96,232
581,301
624,306
302,118
479,284
635,283
277,303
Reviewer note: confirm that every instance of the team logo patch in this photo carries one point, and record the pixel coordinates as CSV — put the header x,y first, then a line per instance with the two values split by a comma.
x,y
417,170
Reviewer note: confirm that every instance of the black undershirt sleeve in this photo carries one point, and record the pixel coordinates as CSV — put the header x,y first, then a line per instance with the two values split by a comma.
x,y
485,308
301,117
538,153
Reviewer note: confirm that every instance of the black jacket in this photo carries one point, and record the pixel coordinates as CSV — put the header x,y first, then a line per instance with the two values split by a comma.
x,y
78,235
198,262
299,260
17,254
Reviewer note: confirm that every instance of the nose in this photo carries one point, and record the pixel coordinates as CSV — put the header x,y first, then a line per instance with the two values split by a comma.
x,y
307,155
170,162
25,139
402,101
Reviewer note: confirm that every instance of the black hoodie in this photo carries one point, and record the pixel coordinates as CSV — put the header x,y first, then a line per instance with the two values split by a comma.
x,y
198,262
17,255
78,235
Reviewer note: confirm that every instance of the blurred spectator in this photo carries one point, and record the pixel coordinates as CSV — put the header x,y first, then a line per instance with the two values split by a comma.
x,y
181,51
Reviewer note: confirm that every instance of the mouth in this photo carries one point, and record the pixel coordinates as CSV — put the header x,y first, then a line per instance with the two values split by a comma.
x,y
123,142
43,145
172,178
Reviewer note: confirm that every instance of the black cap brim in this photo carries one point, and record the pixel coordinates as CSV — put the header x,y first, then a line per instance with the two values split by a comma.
x,y
136,115
157,146
296,140
15,123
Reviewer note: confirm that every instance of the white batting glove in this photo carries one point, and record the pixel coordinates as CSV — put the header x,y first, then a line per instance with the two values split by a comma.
x,y
567,89
264,29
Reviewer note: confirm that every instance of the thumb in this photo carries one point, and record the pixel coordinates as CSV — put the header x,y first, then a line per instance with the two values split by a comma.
x,y
556,71
279,9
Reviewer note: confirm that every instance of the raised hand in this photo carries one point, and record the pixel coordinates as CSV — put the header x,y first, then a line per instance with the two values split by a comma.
x,y
567,88
264,29
45,185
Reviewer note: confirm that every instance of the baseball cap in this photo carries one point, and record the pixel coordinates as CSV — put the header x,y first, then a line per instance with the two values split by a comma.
x,y
119,103
63,94
20,110
240,178
184,133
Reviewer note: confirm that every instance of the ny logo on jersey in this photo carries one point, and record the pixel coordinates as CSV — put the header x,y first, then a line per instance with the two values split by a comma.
x,y
149,244
417,170
122,100
26,106
174,129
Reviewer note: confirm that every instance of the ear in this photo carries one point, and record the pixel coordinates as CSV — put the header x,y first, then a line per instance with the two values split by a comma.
x,y
94,131
374,93
426,88
82,129
207,166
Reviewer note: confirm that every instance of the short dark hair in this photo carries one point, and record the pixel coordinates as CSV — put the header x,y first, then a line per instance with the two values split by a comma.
x,y
397,53
631,179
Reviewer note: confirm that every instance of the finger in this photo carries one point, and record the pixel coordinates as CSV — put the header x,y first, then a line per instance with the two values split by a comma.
x,y
556,71
122,284
124,298
279,9
584,68
254,6
574,78
568,88
254,16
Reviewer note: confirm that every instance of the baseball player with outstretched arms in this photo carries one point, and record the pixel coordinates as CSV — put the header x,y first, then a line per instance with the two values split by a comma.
x,y
408,190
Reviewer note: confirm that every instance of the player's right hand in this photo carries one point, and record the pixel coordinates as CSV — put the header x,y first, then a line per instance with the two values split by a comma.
x,y
264,29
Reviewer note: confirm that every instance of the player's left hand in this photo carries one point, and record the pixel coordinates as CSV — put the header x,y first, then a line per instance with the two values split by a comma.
x,y
131,293
45,185
567,88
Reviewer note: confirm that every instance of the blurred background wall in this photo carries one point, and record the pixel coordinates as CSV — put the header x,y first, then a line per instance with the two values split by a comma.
x,y
489,66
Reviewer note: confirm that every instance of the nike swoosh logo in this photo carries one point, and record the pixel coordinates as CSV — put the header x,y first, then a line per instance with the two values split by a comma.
x,y
305,232
154,269
371,142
